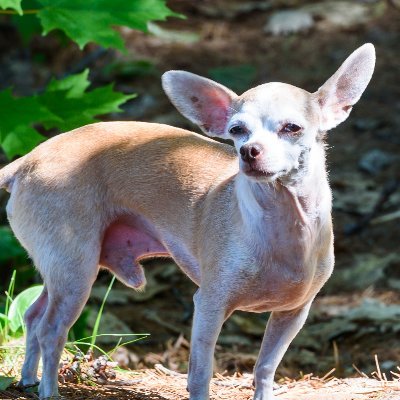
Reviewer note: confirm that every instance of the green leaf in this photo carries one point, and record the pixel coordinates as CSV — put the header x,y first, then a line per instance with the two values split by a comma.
x,y
74,107
74,85
14,4
21,111
17,115
20,304
3,319
237,77
28,26
9,246
21,140
93,20
6,381
64,105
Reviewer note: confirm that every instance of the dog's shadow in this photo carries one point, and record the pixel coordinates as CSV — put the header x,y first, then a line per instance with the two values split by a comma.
x,y
81,392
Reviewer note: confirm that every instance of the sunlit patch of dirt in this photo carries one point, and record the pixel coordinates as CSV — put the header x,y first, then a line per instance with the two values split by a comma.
x,y
159,384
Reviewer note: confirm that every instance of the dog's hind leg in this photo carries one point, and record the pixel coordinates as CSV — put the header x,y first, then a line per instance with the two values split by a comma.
x,y
68,285
32,317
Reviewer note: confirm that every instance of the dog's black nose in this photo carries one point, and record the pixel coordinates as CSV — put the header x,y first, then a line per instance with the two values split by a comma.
x,y
250,152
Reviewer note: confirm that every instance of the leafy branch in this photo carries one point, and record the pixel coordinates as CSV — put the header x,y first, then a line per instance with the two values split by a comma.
x,y
93,20
66,104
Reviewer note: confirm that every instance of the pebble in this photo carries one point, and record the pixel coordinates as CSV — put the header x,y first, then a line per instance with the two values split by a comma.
x,y
289,21
366,124
375,161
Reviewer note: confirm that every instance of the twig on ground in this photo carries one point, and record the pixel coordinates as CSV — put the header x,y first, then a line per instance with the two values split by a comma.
x,y
364,375
166,371
386,218
328,374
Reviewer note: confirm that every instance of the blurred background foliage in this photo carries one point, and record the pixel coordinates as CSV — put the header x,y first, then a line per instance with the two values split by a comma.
x,y
106,63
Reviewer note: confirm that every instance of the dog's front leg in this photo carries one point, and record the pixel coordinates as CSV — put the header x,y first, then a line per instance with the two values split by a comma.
x,y
281,329
209,315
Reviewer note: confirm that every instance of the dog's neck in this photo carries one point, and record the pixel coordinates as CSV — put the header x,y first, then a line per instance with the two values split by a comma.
x,y
306,191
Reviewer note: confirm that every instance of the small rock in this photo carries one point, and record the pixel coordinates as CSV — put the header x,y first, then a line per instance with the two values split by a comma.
x,y
366,124
389,365
102,380
232,8
78,356
346,184
363,271
345,14
89,356
125,358
394,284
375,161
395,3
76,367
289,21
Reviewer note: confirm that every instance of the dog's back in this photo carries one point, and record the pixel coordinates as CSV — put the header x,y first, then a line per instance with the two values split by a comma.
x,y
110,167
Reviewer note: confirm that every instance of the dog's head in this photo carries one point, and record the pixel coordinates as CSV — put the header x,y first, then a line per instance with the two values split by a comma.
x,y
273,126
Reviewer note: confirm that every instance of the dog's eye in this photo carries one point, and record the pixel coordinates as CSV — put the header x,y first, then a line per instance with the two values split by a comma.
x,y
290,128
237,130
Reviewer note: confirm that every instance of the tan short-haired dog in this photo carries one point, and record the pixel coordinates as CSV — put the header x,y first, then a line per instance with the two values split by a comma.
x,y
250,224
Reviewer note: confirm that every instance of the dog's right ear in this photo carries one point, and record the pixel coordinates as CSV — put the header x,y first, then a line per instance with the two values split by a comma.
x,y
345,87
201,100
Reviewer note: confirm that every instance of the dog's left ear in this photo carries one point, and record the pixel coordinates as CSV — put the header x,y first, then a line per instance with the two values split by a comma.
x,y
201,100
344,88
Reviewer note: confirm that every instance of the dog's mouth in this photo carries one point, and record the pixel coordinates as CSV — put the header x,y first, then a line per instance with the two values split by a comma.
x,y
253,172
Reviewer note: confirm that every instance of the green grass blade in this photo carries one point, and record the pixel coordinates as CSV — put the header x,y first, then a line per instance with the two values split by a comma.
x,y
98,318
91,346
126,343
111,334
9,295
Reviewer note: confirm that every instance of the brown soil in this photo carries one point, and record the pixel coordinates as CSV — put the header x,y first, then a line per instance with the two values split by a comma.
x,y
156,385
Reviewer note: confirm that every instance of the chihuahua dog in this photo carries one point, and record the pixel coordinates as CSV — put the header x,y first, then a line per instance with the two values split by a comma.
x,y
249,224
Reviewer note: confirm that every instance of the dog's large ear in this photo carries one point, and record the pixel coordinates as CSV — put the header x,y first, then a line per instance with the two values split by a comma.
x,y
201,100
344,88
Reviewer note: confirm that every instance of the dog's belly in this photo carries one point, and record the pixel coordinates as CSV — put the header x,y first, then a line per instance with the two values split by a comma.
x,y
124,246
131,239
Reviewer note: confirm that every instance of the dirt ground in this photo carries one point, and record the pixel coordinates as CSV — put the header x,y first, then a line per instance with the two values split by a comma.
x,y
156,385
356,316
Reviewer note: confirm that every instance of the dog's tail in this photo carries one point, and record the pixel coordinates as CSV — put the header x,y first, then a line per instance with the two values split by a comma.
x,y
8,174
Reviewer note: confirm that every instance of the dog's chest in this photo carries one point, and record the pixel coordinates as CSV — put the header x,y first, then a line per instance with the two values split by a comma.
x,y
284,262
